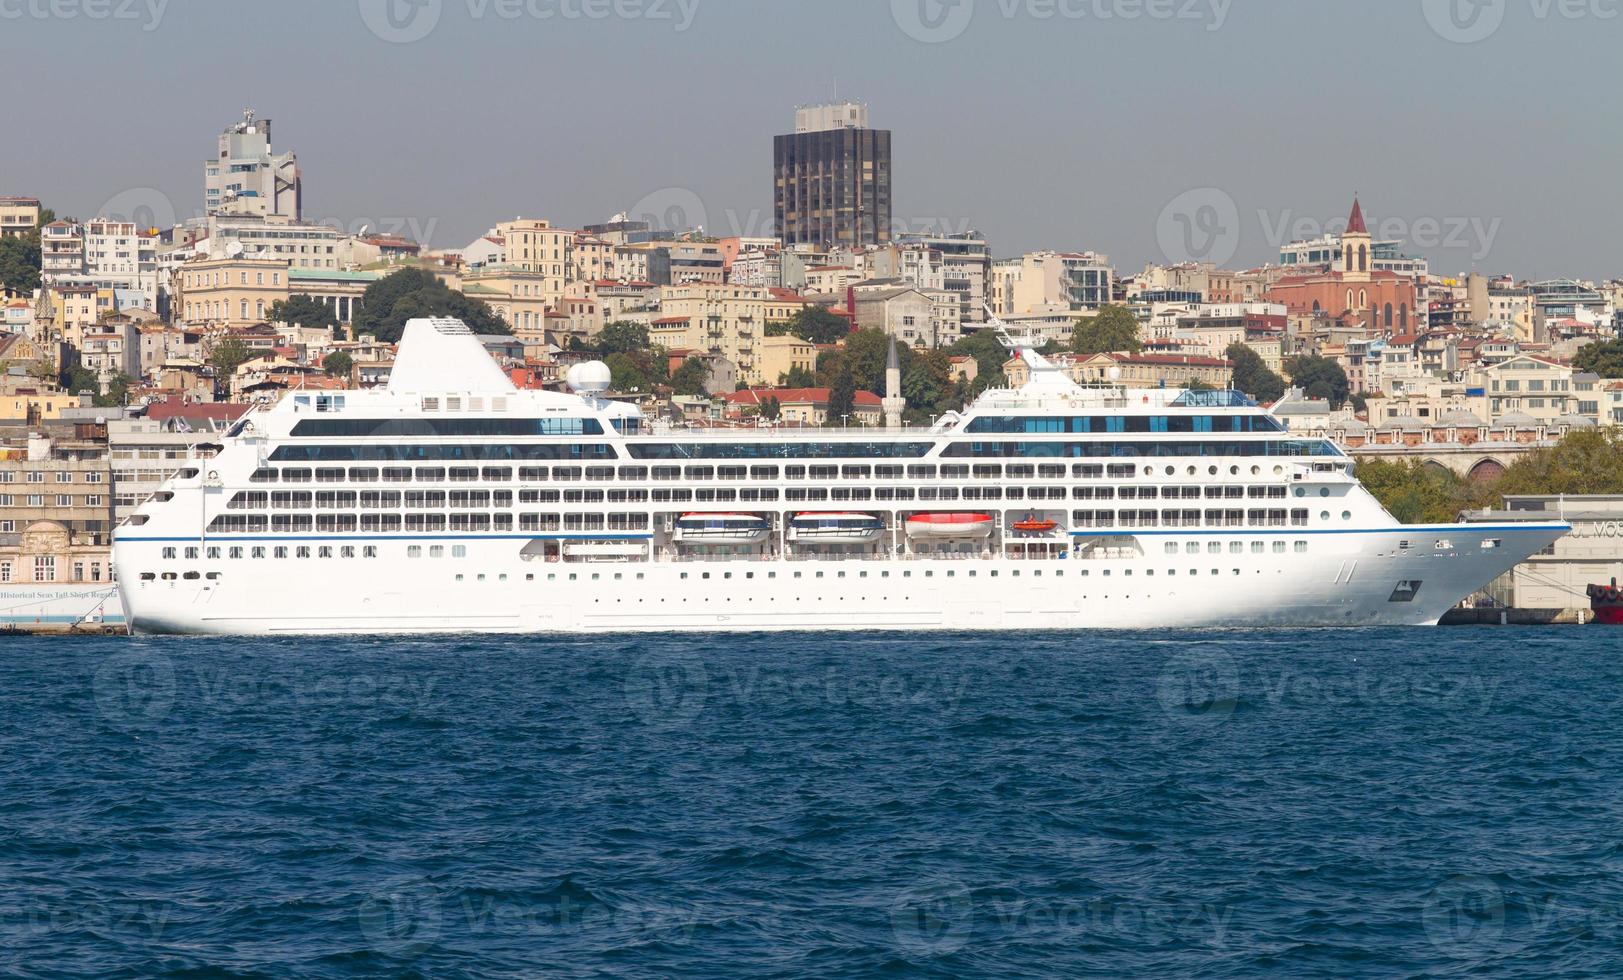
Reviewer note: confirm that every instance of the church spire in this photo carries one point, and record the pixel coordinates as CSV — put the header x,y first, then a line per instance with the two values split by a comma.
x,y
1355,221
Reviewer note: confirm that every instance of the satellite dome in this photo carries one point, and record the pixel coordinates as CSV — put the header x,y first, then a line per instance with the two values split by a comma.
x,y
589,378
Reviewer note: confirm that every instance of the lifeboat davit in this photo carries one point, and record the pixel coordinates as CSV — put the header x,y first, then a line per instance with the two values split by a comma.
x,y
835,528
950,525
722,529
1035,525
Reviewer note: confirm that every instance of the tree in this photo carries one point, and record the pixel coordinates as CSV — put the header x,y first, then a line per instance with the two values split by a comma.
x,y
690,378
1112,329
770,408
118,391
842,398
411,293
621,337
338,364
82,379
20,263
304,310
1252,376
228,355
816,325
625,374
798,377
1586,461
1414,492
1319,377
1604,358
988,351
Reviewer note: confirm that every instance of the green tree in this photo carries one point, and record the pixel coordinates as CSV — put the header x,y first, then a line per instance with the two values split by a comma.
x,y
82,379
1112,329
228,355
625,374
1319,377
1586,461
798,377
411,293
989,353
690,377
118,391
1252,376
842,398
1604,358
770,408
304,310
1414,492
621,337
338,364
816,325
20,263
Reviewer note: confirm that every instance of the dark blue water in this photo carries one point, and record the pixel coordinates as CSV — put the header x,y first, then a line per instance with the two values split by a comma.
x,y
1210,804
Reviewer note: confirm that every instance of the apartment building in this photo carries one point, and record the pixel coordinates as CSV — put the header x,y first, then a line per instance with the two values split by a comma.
x,y
231,292
1044,281
18,216
729,321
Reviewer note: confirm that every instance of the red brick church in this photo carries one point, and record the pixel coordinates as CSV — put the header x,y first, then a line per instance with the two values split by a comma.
x,y
1353,293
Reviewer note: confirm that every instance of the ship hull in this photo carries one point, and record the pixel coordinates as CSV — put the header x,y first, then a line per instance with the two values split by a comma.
x,y
1401,576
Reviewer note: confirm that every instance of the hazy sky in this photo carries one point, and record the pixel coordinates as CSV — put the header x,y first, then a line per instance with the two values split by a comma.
x,y
1486,132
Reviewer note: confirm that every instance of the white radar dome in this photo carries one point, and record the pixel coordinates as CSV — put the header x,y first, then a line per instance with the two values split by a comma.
x,y
589,377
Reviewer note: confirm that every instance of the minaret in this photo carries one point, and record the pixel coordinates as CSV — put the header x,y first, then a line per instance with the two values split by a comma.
x,y
894,404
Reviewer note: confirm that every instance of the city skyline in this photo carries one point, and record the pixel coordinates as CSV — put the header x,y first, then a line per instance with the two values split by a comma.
x,y
1269,153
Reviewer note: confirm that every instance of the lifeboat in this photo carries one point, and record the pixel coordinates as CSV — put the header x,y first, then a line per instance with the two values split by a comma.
x,y
950,525
1035,525
730,529
835,528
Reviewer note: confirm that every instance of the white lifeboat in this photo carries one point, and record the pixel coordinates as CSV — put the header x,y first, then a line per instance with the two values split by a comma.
x,y
731,529
835,528
955,525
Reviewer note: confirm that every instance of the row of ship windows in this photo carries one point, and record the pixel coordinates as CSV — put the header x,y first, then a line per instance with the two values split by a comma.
x,y
299,500
381,523
602,474
459,551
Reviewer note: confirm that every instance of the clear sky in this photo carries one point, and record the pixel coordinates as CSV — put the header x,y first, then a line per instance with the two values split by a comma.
x,y
1487,132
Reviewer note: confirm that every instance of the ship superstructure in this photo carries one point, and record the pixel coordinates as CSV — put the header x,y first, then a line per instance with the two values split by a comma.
x,y
449,501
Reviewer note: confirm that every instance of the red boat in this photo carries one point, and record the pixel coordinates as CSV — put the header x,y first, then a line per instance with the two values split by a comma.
x,y
1034,525
1607,603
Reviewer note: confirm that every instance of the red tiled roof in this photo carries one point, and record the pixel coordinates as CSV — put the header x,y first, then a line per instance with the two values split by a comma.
x,y
176,408
816,396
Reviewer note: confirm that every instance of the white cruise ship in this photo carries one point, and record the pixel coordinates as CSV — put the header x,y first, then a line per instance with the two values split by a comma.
x,y
450,501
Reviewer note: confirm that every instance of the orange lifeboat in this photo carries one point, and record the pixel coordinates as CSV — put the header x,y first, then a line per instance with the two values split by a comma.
x,y
1035,525
950,525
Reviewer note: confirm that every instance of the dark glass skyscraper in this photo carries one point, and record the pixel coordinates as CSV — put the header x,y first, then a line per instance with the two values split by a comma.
x,y
831,179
